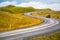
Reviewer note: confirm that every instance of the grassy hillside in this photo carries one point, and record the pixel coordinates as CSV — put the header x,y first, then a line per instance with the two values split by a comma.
x,y
14,9
58,14
10,21
45,12
12,18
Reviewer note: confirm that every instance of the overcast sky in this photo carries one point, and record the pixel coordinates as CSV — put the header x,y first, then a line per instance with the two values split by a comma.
x,y
40,4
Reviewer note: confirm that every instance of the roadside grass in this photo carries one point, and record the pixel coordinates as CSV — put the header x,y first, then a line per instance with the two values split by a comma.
x,y
50,36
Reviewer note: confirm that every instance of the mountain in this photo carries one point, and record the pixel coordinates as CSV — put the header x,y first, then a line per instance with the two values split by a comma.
x,y
11,17
14,9
46,9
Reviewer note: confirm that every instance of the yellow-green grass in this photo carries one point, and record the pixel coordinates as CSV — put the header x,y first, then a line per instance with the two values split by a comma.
x,y
10,21
58,14
14,9
50,36
53,14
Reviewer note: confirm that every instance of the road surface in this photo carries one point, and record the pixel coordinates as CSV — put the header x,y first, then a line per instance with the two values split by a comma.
x,y
48,26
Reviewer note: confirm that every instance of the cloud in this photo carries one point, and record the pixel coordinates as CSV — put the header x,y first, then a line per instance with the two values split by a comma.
x,y
8,3
40,5
34,4
54,7
48,1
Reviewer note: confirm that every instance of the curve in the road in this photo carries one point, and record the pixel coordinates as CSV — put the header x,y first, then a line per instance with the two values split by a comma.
x,y
35,30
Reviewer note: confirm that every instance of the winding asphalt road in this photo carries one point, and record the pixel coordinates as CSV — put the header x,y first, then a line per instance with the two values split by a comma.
x,y
48,26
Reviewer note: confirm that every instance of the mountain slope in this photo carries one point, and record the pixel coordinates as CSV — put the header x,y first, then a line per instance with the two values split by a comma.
x,y
14,9
10,21
47,11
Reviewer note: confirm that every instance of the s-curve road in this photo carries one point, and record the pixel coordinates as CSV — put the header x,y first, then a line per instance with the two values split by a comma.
x,y
49,25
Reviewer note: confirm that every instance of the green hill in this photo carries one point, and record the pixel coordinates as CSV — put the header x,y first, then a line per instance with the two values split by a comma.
x,y
11,18
14,9
8,18
47,11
